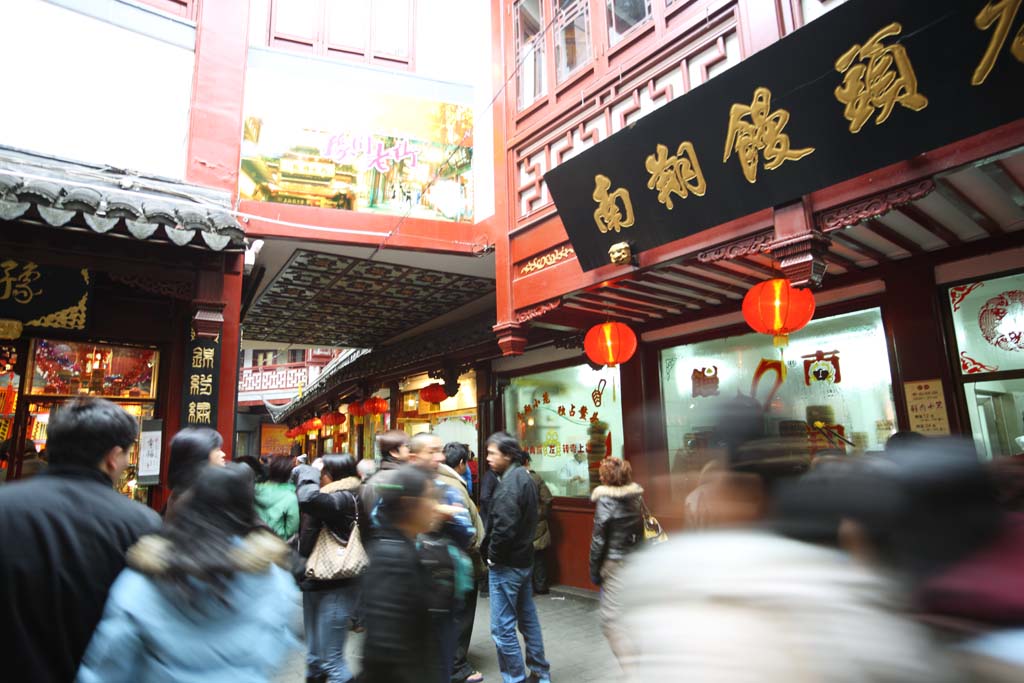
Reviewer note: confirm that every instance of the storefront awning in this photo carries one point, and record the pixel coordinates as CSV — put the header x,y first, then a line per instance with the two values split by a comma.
x,y
64,194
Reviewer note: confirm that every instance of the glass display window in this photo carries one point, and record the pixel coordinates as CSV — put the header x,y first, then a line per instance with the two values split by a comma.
x,y
829,392
64,368
568,420
988,325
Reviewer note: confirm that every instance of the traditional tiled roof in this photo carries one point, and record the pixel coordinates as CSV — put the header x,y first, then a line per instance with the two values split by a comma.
x,y
66,194
409,355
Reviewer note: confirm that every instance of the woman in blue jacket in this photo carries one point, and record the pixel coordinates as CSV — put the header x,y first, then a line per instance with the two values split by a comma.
x,y
206,599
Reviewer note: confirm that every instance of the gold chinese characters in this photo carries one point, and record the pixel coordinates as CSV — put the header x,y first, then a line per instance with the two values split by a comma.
x,y
755,129
877,77
679,174
200,412
1002,14
609,215
200,385
16,283
202,359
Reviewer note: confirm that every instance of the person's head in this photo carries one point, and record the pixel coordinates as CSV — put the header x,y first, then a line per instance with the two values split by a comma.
x,y
91,432
503,451
456,456
393,445
337,466
903,440
192,449
616,472
366,467
280,469
425,451
259,470
407,502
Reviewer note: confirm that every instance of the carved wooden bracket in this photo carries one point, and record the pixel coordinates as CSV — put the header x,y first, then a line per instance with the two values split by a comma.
x,y
548,259
752,244
537,311
874,206
208,319
511,338
802,258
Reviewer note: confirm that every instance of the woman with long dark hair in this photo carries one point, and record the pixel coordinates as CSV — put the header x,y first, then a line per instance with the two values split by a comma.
x,y
328,498
399,641
206,599
192,449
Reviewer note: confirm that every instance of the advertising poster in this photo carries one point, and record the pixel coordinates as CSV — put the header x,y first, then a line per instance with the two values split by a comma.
x,y
377,143
273,441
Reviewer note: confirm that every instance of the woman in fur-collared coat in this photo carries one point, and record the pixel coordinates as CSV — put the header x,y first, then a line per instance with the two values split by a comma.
x,y
618,530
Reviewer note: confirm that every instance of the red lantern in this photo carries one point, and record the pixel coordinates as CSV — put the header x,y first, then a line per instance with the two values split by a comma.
x,y
355,409
433,393
777,308
610,344
379,405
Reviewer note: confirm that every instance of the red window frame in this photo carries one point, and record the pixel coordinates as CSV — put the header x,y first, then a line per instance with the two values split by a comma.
x,y
319,44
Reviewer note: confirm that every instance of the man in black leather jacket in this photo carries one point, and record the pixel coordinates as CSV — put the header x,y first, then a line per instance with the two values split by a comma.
x,y
509,551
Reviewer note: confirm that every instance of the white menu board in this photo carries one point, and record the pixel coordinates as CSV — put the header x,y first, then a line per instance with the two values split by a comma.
x,y
149,452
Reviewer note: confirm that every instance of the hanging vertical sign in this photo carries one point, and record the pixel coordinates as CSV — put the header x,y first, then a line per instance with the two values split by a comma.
x,y
149,452
202,371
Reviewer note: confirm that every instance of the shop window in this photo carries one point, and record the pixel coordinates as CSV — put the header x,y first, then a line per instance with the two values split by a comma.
x,y
187,9
572,36
568,420
828,393
531,78
374,31
988,322
624,15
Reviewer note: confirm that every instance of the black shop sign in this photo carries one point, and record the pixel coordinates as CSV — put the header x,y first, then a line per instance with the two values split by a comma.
x,y
43,296
871,83
202,382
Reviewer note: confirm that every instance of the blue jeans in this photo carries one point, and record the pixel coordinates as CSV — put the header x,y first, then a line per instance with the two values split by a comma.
x,y
512,604
326,617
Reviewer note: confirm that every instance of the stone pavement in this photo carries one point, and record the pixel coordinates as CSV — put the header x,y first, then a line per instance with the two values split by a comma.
x,y
575,646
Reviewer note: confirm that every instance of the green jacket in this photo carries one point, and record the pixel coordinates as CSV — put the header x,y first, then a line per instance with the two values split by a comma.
x,y
277,505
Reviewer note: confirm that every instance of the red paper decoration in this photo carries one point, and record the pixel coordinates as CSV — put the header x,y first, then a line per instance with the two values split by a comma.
x,y
433,393
355,409
777,308
610,344
332,419
378,405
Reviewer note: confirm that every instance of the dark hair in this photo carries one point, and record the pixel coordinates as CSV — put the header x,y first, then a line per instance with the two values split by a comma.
x,y
508,445
280,469
190,453
84,430
616,472
902,440
216,509
340,466
391,440
399,492
258,470
455,454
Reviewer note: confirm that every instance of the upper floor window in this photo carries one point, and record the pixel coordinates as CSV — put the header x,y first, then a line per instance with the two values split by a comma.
x,y
531,79
264,357
623,15
374,31
572,36
187,9
296,355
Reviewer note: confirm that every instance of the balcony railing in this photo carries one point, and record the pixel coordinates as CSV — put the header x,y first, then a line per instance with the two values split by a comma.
x,y
280,377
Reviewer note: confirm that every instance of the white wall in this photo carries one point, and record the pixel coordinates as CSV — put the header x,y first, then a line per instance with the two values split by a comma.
x,y
89,89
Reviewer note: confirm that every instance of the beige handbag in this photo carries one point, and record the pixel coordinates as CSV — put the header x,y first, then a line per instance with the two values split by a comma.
x,y
333,558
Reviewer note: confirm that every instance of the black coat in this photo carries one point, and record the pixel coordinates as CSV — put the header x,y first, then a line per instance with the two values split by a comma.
x,y
333,506
399,639
63,537
618,525
512,520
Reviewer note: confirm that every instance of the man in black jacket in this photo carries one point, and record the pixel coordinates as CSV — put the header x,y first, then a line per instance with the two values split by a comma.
x,y
509,551
63,536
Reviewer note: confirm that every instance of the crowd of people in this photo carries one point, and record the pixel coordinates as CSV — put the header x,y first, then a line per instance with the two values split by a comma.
x,y
898,566
250,561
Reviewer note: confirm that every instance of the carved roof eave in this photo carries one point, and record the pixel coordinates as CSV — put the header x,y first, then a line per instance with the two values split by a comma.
x,y
64,194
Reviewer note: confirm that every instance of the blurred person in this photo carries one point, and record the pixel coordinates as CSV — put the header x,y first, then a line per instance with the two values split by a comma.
x,y
205,599
328,498
259,470
31,464
575,475
456,456
902,440
695,507
276,503
366,468
64,535
393,449
474,475
511,526
192,449
440,548
541,537
618,531
488,483
399,643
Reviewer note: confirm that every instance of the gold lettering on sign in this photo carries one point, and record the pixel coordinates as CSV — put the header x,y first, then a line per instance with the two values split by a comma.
x,y
877,76
1002,14
608,215
202,359
200,385
754,129
679,174
200,412
18,285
